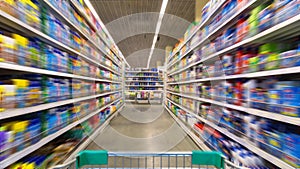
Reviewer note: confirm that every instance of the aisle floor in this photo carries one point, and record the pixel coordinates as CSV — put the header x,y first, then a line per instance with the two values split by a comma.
x,y
143,128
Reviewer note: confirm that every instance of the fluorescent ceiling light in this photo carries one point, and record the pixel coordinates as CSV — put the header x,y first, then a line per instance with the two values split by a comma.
x,y
92,9
161,15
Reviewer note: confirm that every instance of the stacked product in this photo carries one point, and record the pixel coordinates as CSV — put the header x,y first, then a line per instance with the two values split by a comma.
x,y
17,135
57,151
31,90
60,70
32,52
235,77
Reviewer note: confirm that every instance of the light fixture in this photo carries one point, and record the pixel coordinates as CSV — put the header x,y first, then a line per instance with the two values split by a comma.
x,y
158,25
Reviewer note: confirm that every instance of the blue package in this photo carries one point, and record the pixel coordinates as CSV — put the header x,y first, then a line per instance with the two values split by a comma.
x,y
65,34
290,111
274,96
292,144
265,18
51,58
291,95
263,59
288,10
52,26
289,59
229,37
59,31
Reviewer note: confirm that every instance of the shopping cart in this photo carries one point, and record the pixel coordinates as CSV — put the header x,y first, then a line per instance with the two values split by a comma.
x,y
90,159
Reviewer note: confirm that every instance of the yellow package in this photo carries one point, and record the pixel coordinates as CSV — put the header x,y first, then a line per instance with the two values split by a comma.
x,y
2,91
21,83
17,166
1,41
20,126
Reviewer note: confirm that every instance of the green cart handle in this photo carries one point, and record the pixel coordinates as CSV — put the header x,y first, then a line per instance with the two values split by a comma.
x,y
90,157
211,158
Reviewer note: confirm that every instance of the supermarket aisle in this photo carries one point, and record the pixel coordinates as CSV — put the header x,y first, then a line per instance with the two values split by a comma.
x,y
143,128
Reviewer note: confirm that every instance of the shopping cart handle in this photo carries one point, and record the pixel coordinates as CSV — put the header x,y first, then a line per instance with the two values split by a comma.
x,y
91,157
211,158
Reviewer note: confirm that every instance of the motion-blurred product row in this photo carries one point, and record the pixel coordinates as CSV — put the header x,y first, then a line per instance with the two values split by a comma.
x,y
37,15
17,135
234,79
35,89
34,53
60,81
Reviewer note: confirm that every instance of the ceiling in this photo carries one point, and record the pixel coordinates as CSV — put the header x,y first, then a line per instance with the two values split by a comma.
x,y
132,24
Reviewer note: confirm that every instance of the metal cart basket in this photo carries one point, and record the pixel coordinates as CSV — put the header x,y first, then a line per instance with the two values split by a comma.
x,y
92,159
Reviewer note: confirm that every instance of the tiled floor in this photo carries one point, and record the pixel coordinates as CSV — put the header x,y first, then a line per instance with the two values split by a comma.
x,y
143,128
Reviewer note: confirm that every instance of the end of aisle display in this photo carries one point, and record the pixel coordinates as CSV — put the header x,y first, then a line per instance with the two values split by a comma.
x,y
143,84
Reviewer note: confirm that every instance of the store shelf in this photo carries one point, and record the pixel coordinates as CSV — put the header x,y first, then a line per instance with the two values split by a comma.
x,y
84,15
21,26
143,81
146,81
144,85
92,136
272,159
15,67
142,76
19,155
52,8
199,140
27,110
200,143
87,18
144,90
212,14
142,71
250,5
283,71
277,31
129,100
256,112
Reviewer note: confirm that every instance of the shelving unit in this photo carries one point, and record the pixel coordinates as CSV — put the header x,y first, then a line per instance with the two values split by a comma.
x,y
143,85
232,84
246,143
193,80
109,63
95,133
19,155
256,112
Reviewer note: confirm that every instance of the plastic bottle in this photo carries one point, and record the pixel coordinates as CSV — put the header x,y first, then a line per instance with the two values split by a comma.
x,y
246,91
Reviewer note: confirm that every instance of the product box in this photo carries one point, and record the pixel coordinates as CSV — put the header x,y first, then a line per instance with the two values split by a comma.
x,y
292,144
265,18
292,150
285,9
291,95
253,64
289,58
290,111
